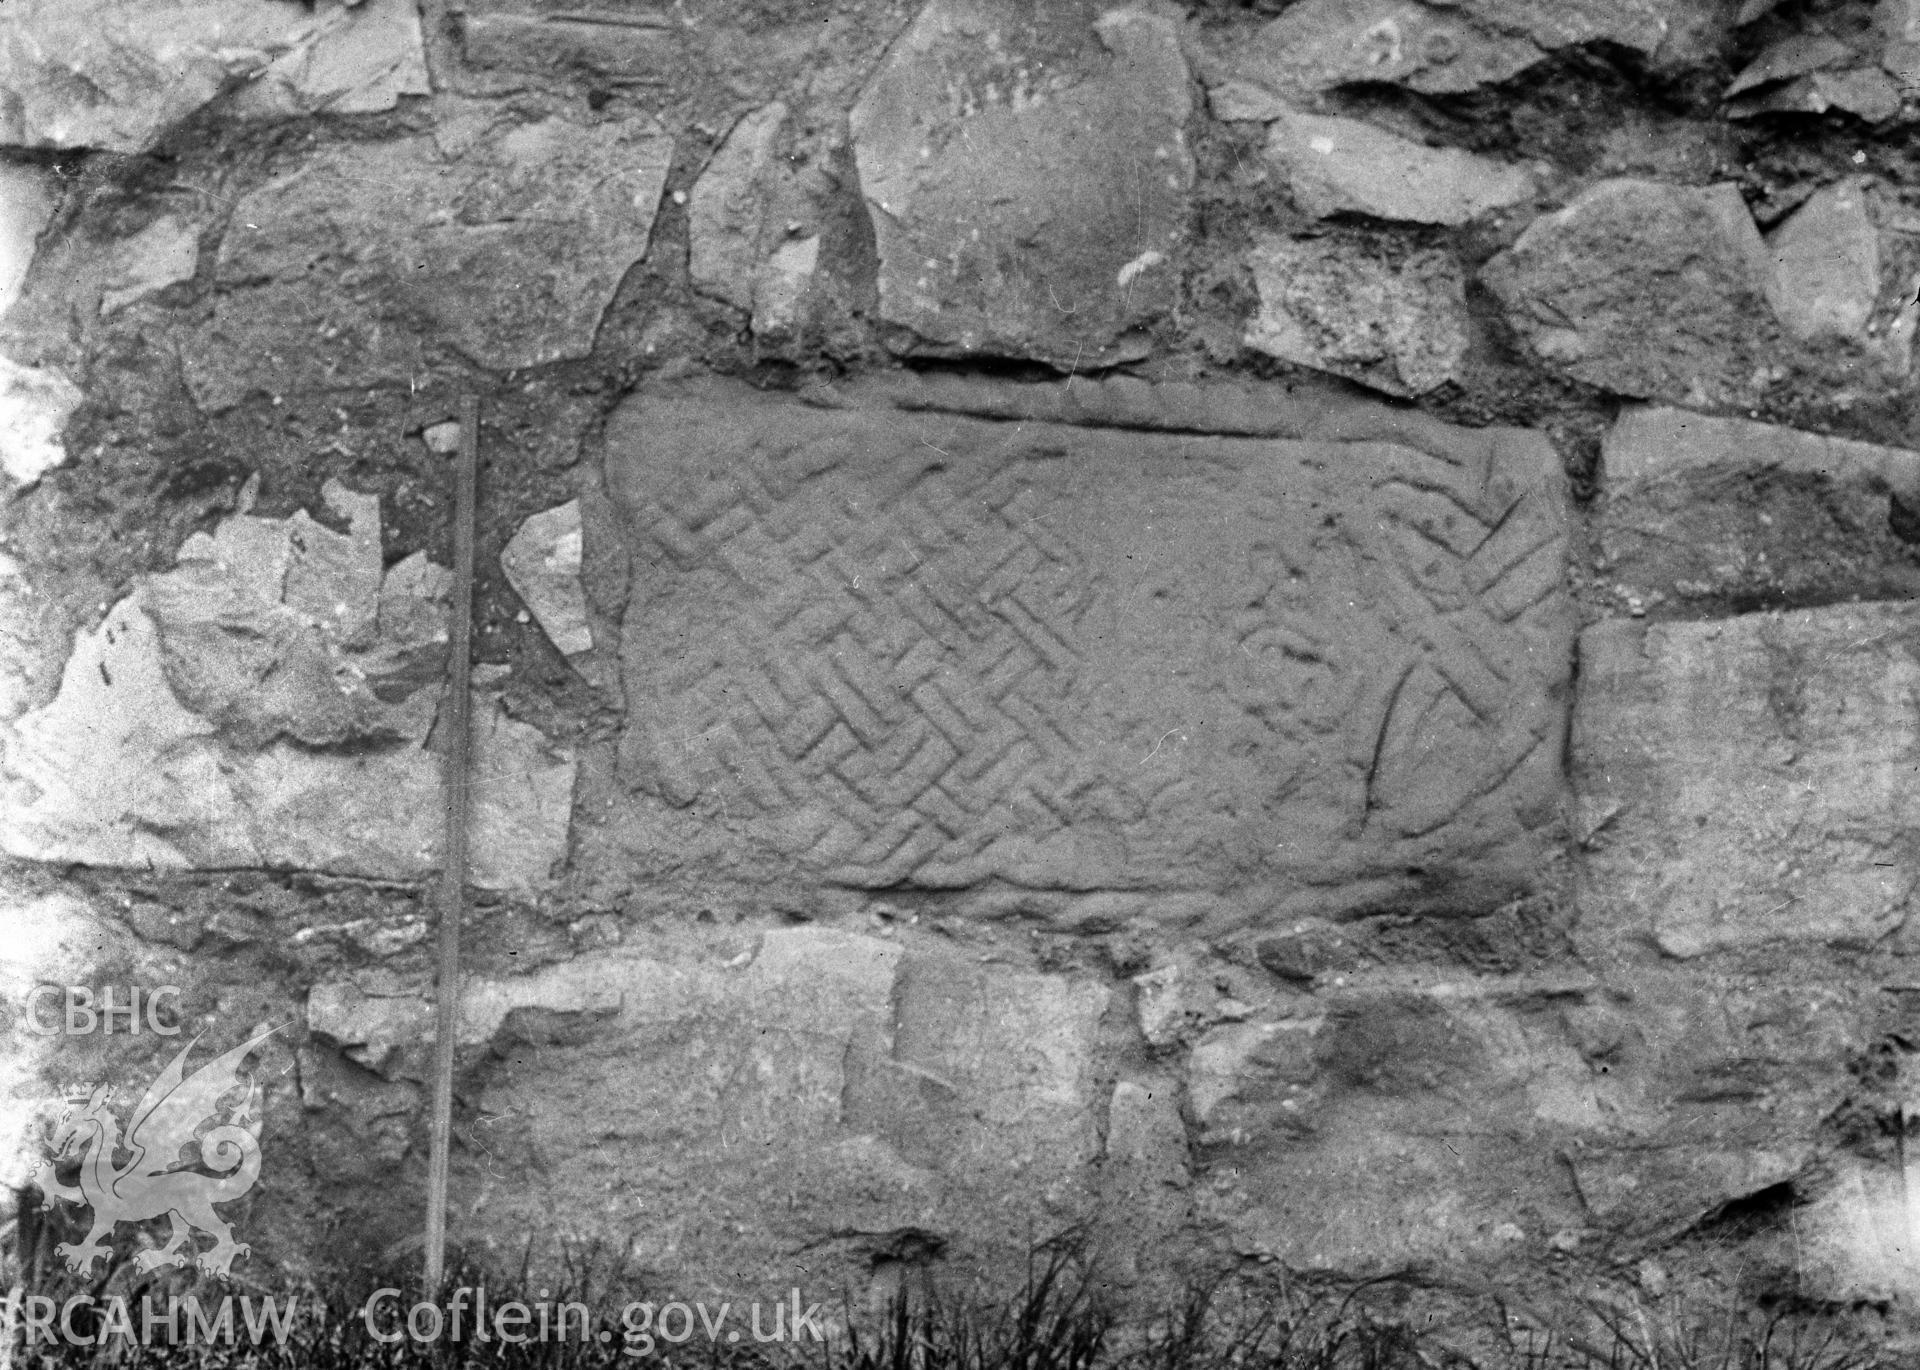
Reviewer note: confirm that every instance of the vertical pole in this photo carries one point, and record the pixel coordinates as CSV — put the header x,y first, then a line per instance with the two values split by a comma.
x,y
453,872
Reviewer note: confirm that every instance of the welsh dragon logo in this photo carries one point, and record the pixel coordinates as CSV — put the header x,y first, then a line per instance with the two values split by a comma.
x,y
152,1181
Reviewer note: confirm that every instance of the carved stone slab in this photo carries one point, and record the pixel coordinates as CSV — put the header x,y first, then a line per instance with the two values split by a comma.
x,y
1322,666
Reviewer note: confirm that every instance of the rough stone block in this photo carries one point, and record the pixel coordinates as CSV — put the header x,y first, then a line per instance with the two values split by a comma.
x,y
1391,318
341,271
1748,781
1027,172
916,648
542,563
1646,289
1726,514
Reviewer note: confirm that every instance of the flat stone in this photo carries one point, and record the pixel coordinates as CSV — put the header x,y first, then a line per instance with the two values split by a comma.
x,y
1645,289
267,703
35,403
1755,775
1730,515
28,197
1027,173
164,253
606,38
360,57
1392,318
340,272
1826,260
542,563
116,74
1344,166
905,647
1438,48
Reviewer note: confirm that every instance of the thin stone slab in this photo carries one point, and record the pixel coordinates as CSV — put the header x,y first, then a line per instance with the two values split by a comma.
x,y
1346,166
910,647
1443,46
1748,781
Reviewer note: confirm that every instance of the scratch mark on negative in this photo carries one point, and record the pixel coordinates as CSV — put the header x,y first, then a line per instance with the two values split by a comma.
x,y
1156,746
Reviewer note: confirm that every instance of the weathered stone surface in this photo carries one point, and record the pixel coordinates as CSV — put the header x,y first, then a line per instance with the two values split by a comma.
x,y
1748,781
913,648
1393,319
35,404
823,1093
114,75
542,563
1027,173
340,272
1645,289
164,253
1344,166
1729,514
27,201
267,703
1827,263
1441,47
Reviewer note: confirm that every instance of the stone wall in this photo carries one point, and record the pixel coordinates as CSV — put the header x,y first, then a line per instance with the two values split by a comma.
x,y
1271,632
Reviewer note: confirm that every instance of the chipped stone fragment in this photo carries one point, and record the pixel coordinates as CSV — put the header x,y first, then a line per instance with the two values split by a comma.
x,y
1335,304
542,562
